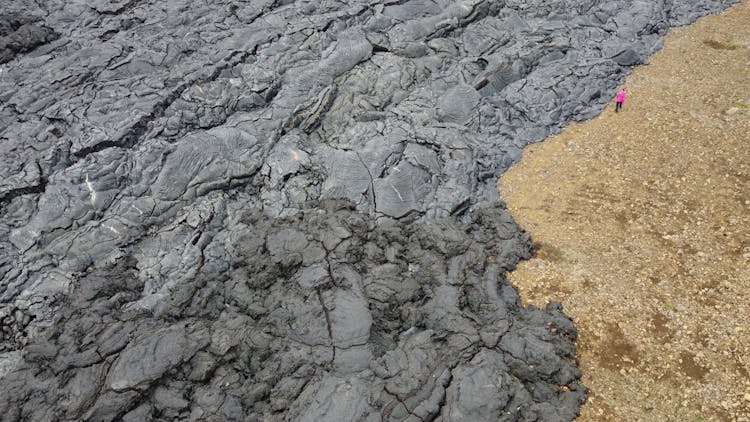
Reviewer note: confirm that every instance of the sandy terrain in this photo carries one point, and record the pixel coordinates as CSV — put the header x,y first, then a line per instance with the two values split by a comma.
x,y
642,222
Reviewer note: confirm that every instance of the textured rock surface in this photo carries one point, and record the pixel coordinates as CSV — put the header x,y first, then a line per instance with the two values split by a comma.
x,y
270,210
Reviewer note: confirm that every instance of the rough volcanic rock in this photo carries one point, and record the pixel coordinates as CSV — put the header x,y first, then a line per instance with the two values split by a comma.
x,y
20,33
273,210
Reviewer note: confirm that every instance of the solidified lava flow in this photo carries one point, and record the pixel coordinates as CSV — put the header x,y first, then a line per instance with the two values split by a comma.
x,y
277,210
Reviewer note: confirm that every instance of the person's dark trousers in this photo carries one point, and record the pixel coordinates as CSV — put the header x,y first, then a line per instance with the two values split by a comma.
x,y
618,106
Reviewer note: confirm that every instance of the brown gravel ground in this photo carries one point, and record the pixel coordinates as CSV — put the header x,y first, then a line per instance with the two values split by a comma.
x,y
642,223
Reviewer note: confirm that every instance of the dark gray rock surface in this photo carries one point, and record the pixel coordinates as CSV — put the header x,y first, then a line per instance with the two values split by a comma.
x,y
276,210
21,33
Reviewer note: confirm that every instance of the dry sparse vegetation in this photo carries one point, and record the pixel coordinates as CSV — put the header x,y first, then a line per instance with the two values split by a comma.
x,y
642,223
722,45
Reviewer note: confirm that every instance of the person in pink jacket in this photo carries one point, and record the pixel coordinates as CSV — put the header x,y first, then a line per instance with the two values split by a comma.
x,y
619,99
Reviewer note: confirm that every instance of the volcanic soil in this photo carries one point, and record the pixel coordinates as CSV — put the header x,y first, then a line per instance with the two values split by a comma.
x,y
641,221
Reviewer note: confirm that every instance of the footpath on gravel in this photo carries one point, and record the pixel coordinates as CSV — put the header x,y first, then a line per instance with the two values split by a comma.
x,y
642,223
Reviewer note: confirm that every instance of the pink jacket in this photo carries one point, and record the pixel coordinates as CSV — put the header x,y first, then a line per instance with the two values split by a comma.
x,y
620,98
